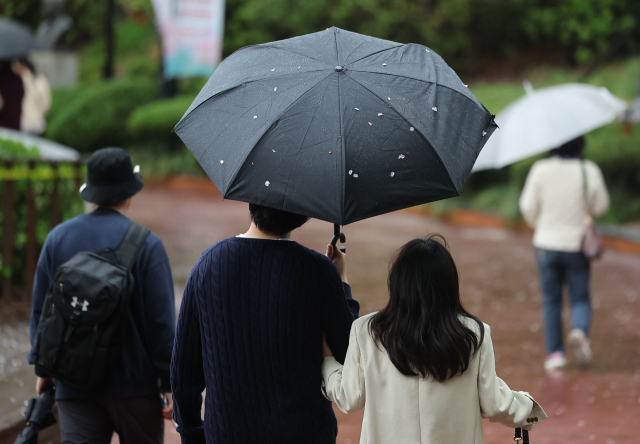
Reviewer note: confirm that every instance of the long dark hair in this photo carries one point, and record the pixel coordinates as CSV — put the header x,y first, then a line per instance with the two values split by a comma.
x,y
421,327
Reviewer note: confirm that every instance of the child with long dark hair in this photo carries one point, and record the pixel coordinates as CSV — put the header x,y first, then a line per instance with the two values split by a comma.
x,y
423,368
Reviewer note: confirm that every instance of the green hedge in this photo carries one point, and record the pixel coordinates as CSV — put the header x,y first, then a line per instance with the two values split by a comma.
x,y
96,117
155,120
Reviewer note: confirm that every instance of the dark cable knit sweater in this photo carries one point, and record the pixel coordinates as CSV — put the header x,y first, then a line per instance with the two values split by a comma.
x,y
250,332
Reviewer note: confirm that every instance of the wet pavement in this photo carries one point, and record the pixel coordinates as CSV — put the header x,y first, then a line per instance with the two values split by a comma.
x,y
498,284
17,381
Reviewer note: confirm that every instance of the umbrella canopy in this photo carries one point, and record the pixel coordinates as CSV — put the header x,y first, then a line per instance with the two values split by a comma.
x,y
48,149
15,39
336,125
545,119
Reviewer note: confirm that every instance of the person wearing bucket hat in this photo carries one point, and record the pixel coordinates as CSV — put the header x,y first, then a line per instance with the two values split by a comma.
x,y
111,178
136,393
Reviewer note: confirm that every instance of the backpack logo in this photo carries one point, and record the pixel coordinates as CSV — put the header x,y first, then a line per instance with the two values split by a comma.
x,y
84,304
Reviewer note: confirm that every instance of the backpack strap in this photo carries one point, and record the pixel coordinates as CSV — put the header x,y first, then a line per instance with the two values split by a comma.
x,y
131,243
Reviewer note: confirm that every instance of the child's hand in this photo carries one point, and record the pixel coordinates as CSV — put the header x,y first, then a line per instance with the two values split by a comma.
x,y
326,351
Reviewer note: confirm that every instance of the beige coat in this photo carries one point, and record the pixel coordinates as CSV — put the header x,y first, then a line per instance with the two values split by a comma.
x,y
35,103
410,410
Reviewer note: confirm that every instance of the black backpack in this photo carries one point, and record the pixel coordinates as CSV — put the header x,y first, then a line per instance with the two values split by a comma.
x,y
82,326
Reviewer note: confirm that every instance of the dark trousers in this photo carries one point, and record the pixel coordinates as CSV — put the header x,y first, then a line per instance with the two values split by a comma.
x,y
557,268
93,421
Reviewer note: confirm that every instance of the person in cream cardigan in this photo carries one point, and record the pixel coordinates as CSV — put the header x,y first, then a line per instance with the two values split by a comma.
x,y
560,196
423,368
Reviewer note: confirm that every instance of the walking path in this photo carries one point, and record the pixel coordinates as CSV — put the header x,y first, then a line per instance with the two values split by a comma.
x,y
498,284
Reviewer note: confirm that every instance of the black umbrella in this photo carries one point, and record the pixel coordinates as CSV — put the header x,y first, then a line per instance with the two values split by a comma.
x,y
15,39
38,416
336,125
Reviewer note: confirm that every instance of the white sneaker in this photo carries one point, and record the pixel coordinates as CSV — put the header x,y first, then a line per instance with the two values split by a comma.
x,y
555,361
580,347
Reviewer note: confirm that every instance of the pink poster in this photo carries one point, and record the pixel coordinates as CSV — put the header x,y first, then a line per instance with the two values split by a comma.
x,y
191,32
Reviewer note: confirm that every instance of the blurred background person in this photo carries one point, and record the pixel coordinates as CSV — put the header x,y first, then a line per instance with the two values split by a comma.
x,y
11,95
37,97
560,194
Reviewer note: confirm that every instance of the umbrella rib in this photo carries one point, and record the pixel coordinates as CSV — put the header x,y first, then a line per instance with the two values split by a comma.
x,y
294,52
343,157
342,139
231,123
234,87
354,50
423,136
419,80
374,53
335,43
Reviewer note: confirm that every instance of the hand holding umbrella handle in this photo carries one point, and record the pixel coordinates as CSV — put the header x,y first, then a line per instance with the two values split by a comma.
x,y
337,234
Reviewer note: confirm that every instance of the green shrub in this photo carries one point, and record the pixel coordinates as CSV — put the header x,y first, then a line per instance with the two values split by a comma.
x,y
155,120
618,155
62,98
191,85
501,199
69,199
97,116
10,149
143,67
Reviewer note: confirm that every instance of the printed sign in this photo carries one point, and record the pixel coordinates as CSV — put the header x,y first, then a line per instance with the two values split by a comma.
x,y
191,32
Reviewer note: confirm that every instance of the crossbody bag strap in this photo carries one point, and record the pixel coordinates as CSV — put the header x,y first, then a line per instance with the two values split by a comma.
x,y
521,435
585,187
131,243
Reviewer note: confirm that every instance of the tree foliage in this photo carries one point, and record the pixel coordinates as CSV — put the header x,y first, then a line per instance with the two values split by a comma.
x,y
96,117
464,32
585,27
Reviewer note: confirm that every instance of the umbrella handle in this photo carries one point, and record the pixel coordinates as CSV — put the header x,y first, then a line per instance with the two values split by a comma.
x,y
338,235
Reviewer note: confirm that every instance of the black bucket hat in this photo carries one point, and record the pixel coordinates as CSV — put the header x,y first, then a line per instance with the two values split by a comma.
x,y
110,177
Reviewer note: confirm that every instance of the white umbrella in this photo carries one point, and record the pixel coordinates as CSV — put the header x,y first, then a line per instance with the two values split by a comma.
x,y
545,119
48,149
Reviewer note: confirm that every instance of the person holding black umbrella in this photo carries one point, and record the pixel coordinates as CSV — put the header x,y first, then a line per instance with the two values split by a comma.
x,y
250,330
332,125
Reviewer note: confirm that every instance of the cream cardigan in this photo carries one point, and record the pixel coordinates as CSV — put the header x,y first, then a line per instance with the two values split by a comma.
x,y
410,410
552,202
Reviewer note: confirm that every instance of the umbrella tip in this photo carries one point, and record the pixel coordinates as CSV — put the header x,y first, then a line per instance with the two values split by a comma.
x,y
528,87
